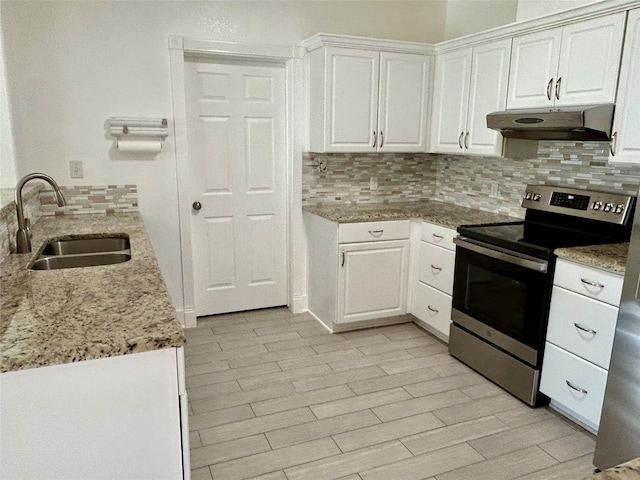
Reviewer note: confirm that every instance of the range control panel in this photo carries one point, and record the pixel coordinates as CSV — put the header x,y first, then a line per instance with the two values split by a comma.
x,y
596,205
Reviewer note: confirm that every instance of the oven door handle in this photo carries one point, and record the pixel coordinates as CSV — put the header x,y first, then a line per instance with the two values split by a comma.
x,y
492,251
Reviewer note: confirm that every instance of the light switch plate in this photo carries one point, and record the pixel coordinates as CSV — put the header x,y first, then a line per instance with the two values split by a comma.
x,y
75,168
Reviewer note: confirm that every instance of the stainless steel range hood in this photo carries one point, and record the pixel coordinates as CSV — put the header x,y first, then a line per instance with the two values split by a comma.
x,y
591,122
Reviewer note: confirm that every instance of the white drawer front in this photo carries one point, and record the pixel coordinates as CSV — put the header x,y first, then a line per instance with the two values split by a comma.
x,y
374,231
436,266
432,307
573,319
588,281
437,235
560,367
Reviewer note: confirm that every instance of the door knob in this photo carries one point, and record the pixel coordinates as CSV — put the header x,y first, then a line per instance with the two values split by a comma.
x,y
196,205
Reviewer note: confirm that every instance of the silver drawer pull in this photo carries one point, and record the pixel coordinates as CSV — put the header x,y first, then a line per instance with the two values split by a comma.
x,y
439,237
376,233
588,330
435,267
577,389
591,284
432,309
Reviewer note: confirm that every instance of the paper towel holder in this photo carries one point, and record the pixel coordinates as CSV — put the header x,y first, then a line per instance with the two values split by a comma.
x,y
139,135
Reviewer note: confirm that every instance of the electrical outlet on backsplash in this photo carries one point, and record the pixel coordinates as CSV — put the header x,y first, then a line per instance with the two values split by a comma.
x,y
469,181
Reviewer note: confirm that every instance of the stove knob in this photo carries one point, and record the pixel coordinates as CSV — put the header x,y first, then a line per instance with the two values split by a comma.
x,y
608,207
527,196
597,205
619,209
536,197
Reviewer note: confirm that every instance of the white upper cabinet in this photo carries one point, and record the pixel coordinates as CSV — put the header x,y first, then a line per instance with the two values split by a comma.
x,y
402,110
469,84
352,99
625,146
573,65
364,100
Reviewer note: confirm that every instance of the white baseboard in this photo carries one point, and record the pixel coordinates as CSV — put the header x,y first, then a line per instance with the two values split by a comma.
x,y
299,304
187,317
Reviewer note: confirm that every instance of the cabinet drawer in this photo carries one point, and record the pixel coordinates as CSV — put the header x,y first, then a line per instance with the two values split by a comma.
x,y
435,267
560,367
432,307
373,231
588,281
438,235
583,326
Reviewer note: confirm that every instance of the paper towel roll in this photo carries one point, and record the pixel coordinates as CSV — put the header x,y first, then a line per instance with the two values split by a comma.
x,y
140,146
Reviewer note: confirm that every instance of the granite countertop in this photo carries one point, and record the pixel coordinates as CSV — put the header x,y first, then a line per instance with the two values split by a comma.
x,y
611,257
627,471
441,213
69,315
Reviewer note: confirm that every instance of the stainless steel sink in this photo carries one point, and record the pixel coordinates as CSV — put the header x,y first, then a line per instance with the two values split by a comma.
x,y
74,246
82,252
74,261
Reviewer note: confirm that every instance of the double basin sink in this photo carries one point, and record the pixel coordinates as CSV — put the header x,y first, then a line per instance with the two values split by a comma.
x,y
83,252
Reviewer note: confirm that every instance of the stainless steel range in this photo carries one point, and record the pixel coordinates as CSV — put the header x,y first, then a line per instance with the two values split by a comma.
x,y
503,278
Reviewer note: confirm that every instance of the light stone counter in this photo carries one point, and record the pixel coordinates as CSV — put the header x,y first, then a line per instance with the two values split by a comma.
x,y
444,214
626,471
75,314
611,257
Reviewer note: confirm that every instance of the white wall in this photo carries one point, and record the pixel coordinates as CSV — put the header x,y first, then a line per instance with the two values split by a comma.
x,y
7,157
528,9
73,64
465,17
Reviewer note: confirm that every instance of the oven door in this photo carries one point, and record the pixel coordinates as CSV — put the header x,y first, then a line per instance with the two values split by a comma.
x,y
502,297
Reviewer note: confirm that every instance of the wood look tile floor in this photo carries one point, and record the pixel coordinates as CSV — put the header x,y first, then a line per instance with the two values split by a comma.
x,y
274,396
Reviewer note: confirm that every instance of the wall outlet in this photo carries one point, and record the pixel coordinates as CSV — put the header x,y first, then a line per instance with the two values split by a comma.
x,y
373,183
494,190
76,169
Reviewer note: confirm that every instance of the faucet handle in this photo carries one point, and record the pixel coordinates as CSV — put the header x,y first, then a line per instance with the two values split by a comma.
x,y
27,226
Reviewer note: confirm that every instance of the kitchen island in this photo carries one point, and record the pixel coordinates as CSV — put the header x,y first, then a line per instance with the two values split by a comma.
x,y
91,362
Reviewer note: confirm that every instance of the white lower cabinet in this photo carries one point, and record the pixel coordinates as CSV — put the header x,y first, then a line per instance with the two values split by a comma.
x,y
116,417
582,323
433,285
357,271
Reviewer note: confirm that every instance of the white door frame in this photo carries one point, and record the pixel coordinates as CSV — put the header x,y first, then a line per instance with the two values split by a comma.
x,y
291,58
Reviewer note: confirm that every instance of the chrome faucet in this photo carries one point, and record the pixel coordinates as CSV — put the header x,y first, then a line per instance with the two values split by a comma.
x,y
23,235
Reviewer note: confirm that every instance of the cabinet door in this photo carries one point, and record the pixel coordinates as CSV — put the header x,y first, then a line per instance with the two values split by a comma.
x,y
589,61
487,93
534,64
372,281
352,99
625,146
450,101
402,107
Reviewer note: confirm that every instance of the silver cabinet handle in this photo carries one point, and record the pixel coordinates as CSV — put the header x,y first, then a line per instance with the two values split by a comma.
x,y
376,233
439,237
549,88
577,389
591,284
432,309
558,88
460,139
612,143
435,267
375,139
196,205
342,263
466,140
588,330
381,139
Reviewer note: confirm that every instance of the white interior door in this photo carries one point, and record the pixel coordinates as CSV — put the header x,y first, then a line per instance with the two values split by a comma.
x,y
236,128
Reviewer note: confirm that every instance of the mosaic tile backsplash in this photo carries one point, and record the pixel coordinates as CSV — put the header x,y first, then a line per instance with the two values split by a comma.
x,y
462,180
107,199
9,217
